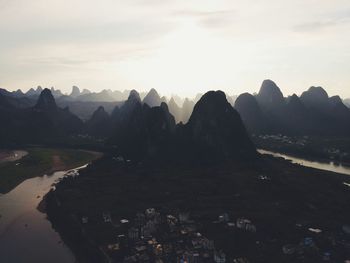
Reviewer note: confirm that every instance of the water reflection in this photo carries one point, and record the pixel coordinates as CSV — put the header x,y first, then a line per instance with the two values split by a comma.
x,y
25,233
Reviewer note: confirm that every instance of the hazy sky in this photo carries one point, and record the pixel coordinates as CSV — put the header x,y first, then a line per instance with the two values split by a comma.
x,y
175,46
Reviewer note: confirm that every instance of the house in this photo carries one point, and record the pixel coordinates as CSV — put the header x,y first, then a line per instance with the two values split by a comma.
x,y
240,260
133,233
107,217
288,249
124,221
85,220
150,212
224,218
308,241
184,217
326,256
113,247
245,224
140,219
171,220
219,257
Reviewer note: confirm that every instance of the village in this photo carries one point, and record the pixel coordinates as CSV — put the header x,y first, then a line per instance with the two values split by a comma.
x,y
153,236
193,216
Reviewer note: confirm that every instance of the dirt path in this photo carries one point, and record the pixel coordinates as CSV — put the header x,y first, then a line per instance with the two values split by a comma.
x,y
57,163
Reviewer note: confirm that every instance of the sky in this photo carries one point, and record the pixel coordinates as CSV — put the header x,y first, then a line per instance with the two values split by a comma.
x,y
179,47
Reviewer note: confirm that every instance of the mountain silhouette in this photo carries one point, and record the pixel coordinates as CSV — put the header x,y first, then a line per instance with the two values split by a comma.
x,y
215,130
75,92
46,101
100,124
175,110
270,95
316,98
141,131
251,113
152,98
313,113
187,108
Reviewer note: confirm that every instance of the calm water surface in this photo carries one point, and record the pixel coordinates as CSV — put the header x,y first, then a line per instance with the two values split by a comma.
x,y
25,233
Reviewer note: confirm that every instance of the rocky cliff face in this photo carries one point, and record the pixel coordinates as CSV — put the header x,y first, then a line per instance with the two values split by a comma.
x,y
216,130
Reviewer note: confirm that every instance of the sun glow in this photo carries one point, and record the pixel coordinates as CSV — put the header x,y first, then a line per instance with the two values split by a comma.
x,y
191,58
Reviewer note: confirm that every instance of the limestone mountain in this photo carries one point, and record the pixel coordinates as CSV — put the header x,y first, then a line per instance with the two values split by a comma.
x,y
175,109
56,92
215,130
75,92
251,113
34,92
46,101
141,131
187,108
100,124
152,98
313,113
316,98
270,95
62,120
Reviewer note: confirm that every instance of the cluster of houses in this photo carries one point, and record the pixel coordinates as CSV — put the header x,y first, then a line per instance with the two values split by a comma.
x,y
285,139
152,236
326,246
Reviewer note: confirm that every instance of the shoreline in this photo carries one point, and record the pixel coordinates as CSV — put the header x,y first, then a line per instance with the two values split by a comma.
x,y
58,165
42,161
305,157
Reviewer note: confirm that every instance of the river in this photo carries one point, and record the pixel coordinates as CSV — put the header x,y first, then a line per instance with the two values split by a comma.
x,y
25,233
330,166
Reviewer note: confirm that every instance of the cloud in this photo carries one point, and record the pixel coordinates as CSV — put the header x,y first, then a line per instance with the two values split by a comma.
x,y
337,19
209,19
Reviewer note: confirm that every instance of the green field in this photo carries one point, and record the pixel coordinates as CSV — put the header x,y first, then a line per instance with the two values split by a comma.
x,y
38,162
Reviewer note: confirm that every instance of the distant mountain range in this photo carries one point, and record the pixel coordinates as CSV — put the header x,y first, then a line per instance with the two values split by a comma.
x,y
84,103
347,102
140,125
214,131
313,113
38,123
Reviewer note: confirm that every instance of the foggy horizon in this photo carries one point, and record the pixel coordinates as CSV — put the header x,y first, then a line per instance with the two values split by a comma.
x,y
182,48
170,95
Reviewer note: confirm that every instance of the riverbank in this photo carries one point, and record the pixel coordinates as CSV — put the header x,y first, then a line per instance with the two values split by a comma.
x,y
25,233
326,166
40,161
314,149
282,202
